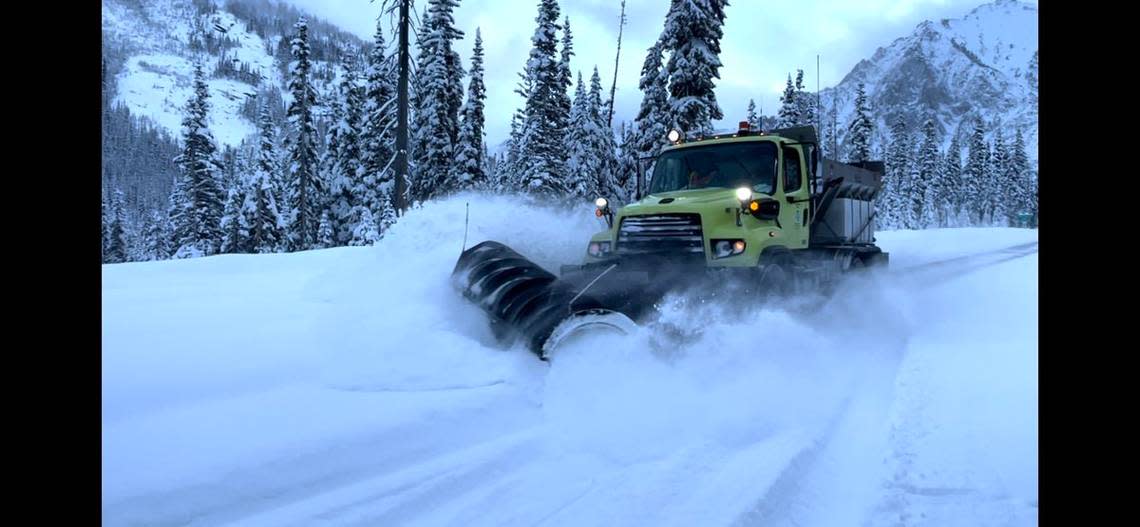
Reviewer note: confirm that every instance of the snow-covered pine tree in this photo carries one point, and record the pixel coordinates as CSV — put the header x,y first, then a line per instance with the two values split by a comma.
x,y
542,168
157,237
805,103
325,232
443,21
789,114
860,129
653,118
116,230
342,155
261,215
565,78
1021,174
434,174
469,159
625,175
106,220
1001,187
602,140
234,236
753,119
365,232
895,197
306,191
953,189
198,199
581,159
927,191
693,29
974,175
377,137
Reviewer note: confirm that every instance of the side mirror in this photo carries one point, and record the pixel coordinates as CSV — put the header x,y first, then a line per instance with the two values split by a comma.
x,y
765,209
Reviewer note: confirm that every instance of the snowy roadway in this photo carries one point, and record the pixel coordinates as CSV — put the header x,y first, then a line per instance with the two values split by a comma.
x,y
353,386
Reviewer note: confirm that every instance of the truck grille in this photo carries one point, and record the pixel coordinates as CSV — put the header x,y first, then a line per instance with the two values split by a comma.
x,y
660,233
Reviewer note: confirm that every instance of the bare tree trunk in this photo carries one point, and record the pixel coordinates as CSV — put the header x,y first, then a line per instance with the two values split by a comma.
x,y
613,87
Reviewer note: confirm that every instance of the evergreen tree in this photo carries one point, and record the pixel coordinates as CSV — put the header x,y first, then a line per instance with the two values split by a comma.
x,y
601,140
377,137
261,216
540,150
342,155
789,107
953,188
365,232
974,176
1000,187
805,103
895,198
860,129
116,230
325,232
434,174
582,156
157,239
197,200
106,220
693,29
753,119
927,191
653,119
469,158
234,235
306,192
565,79
1021,175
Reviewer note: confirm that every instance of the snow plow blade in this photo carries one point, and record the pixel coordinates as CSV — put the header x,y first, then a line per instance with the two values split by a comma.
x,y
525,301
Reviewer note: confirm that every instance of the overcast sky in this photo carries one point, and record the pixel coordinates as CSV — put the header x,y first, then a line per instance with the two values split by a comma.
x,y
764,41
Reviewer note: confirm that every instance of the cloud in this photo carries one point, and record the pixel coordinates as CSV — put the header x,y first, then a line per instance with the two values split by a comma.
x,y
763,42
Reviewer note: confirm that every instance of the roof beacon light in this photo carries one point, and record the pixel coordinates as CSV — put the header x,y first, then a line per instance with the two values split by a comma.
x,y
674,135
745,128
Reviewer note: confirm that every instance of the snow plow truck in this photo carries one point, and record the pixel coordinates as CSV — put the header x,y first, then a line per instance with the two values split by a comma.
x,y
749,213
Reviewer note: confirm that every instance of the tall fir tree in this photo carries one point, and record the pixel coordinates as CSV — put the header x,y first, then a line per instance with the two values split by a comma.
x,y
753,119
974,175
434,174
895,198
541,153
469,158
1000,187
789,106
927,192
601,138
805,103
375,174
343,154
116,230
951,184
197,202
653,117
564,76
861,128
1021,175
306,191
693,29
581,159
157,239
234,236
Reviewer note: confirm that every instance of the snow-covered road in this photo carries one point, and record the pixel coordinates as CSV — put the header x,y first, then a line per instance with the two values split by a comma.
x,y
353,387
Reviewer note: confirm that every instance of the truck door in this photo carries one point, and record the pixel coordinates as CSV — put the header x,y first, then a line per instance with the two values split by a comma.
x,y
794,205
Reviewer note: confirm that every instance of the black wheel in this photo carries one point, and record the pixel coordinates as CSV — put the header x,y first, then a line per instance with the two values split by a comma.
x,y
777,279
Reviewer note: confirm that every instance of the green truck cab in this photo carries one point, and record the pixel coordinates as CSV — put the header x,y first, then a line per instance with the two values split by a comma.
x,y
762,205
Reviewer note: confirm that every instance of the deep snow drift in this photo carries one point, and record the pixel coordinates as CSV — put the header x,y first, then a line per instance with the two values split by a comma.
x,y
355,386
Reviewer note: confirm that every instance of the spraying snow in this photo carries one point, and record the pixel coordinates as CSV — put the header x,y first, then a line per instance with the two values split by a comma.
x,y
354,386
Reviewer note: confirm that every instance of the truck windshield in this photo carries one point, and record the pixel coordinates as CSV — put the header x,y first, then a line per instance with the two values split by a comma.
x,y
751,164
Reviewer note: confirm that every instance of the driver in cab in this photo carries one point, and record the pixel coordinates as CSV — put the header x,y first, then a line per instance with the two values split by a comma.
x,y
697,180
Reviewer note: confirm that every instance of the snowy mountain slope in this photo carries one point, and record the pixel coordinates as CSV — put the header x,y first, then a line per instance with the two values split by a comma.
x,y
154,80
953,69
354,386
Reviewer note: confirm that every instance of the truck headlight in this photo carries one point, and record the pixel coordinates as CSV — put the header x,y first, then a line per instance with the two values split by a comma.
x,y
744,194
726,248
599,249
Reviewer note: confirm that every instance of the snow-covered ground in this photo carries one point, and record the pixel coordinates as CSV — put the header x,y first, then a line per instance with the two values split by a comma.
x,y
354,386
